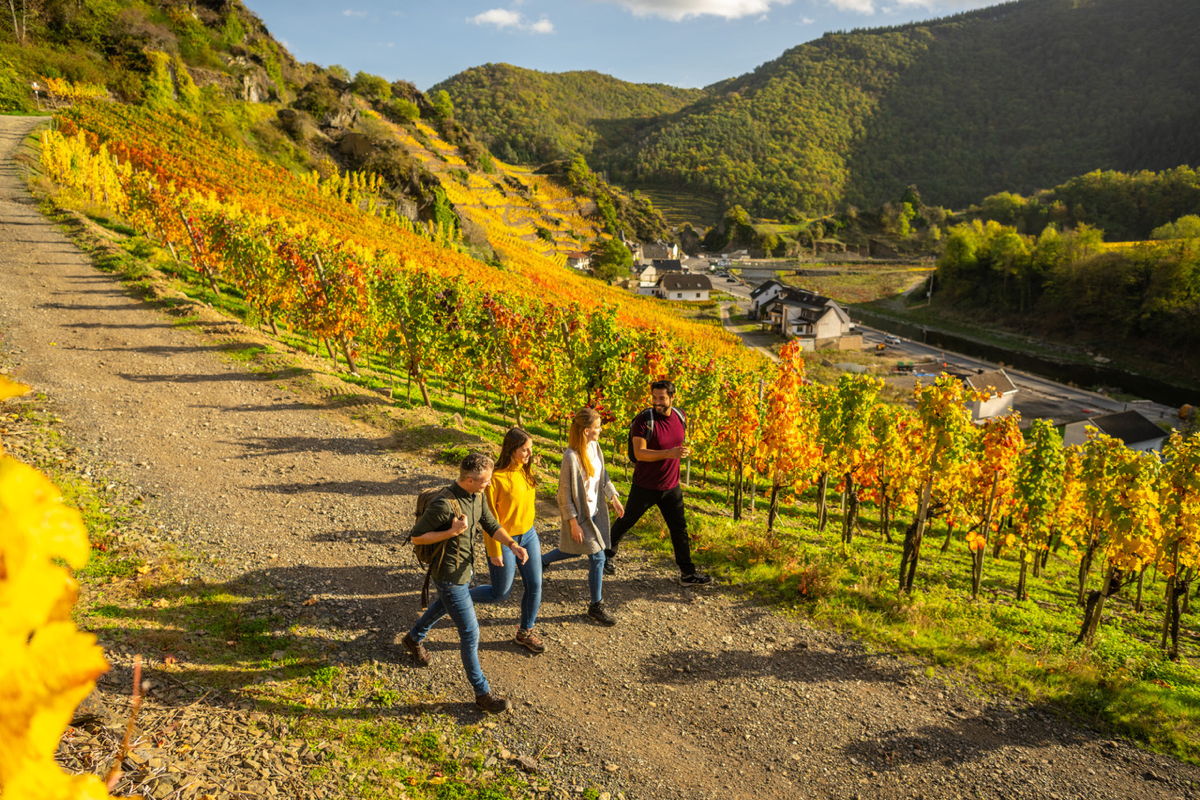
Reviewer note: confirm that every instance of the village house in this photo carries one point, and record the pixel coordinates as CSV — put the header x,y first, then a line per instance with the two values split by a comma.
x,y
762,294
678,286
579,260
646,253
1131,427
1001,390
804,314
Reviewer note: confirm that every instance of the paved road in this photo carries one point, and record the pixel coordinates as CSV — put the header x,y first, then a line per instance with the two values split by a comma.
x,y
1039,397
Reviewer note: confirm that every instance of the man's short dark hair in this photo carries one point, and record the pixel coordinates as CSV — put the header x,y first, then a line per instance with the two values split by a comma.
x,y
475,464
669,386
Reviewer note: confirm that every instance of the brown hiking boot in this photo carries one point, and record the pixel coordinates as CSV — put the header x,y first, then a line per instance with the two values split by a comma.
x,y
492,703
416,650
530,641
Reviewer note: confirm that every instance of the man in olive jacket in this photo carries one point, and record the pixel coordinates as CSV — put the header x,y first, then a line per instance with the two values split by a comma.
x,y
452,518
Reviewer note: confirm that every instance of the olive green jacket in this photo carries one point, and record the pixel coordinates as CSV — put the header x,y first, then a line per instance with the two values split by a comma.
x,y
457,564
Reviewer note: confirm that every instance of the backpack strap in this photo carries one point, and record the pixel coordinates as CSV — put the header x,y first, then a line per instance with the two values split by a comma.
x,y
441,552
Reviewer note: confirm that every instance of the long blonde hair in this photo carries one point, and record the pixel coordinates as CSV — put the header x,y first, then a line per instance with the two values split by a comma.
x,y
584,418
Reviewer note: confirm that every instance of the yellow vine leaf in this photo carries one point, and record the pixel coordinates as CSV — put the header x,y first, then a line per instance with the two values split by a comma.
x,y
47,666
10,388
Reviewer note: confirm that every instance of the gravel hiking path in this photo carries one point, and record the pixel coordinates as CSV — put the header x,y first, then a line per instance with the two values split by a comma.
x,y
694,694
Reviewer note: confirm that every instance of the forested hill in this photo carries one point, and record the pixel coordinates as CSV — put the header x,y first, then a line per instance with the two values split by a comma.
x,y
528,116
1015,97
216,60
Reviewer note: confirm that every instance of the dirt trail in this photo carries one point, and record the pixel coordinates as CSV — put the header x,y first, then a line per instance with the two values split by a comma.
x,y
693,694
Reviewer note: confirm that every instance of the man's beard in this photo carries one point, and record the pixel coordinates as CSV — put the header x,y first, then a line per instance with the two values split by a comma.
x,y
660,409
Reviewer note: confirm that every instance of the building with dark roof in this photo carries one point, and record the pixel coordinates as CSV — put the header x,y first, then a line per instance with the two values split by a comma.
x,y
682,286
1131,427
762,294
652,250
799,312
1001,390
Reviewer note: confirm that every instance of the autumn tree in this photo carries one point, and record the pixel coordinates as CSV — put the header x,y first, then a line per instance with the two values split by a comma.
x,y
1180,552
849,440
1133,527
1037,490
787,450
941,443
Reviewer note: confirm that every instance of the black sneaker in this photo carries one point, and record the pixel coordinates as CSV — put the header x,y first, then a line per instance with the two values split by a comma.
x,y
598,612
610,566
492,703
695,579
416,650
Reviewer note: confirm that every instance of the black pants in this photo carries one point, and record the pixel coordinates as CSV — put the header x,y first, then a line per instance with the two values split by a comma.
x,y
670,503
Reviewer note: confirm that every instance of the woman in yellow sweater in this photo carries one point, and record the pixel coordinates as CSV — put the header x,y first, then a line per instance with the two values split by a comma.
x,y
512,496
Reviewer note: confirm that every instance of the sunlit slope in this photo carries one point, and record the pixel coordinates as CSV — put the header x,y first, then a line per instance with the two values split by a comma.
x,y
182,157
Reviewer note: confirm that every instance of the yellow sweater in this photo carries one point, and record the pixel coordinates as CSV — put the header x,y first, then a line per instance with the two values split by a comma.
x,y
513,501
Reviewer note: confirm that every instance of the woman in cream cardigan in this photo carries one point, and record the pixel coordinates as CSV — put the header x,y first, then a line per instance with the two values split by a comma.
x,y
583,486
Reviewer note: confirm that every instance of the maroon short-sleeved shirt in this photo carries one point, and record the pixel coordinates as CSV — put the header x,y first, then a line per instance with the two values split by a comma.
x,y
665,433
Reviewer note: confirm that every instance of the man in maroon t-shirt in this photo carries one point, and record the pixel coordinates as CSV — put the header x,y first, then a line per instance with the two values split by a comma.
x,y
657,441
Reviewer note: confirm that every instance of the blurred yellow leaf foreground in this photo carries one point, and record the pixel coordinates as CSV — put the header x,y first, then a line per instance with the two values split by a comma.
x,y
47,666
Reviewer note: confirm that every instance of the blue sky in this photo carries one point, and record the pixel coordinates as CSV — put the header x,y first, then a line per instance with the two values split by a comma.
x,y
681,42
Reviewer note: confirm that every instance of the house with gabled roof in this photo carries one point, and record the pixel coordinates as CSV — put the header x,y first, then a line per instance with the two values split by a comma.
x,y
1001,391
1131,427
649,251
762,294
801,313
682,286
579,260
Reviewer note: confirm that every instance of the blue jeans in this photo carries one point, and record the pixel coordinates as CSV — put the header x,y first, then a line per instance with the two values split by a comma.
x,y
455,599
502,579
595,569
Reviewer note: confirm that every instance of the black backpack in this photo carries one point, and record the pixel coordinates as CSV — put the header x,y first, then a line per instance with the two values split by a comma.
x,y
428,555
649,430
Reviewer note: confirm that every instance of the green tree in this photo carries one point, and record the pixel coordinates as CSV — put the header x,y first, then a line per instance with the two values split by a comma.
x,y
443,106
372,87
403,110
1186,227
611,259
189,93
1006,208
160,89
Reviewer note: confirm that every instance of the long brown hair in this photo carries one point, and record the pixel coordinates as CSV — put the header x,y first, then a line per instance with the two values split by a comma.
x,y
513,441
584,418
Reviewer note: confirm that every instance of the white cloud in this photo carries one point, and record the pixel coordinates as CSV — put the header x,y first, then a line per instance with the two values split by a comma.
x,y
350,12
506,18
500,17
860,6
887,6
807,20
676,10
